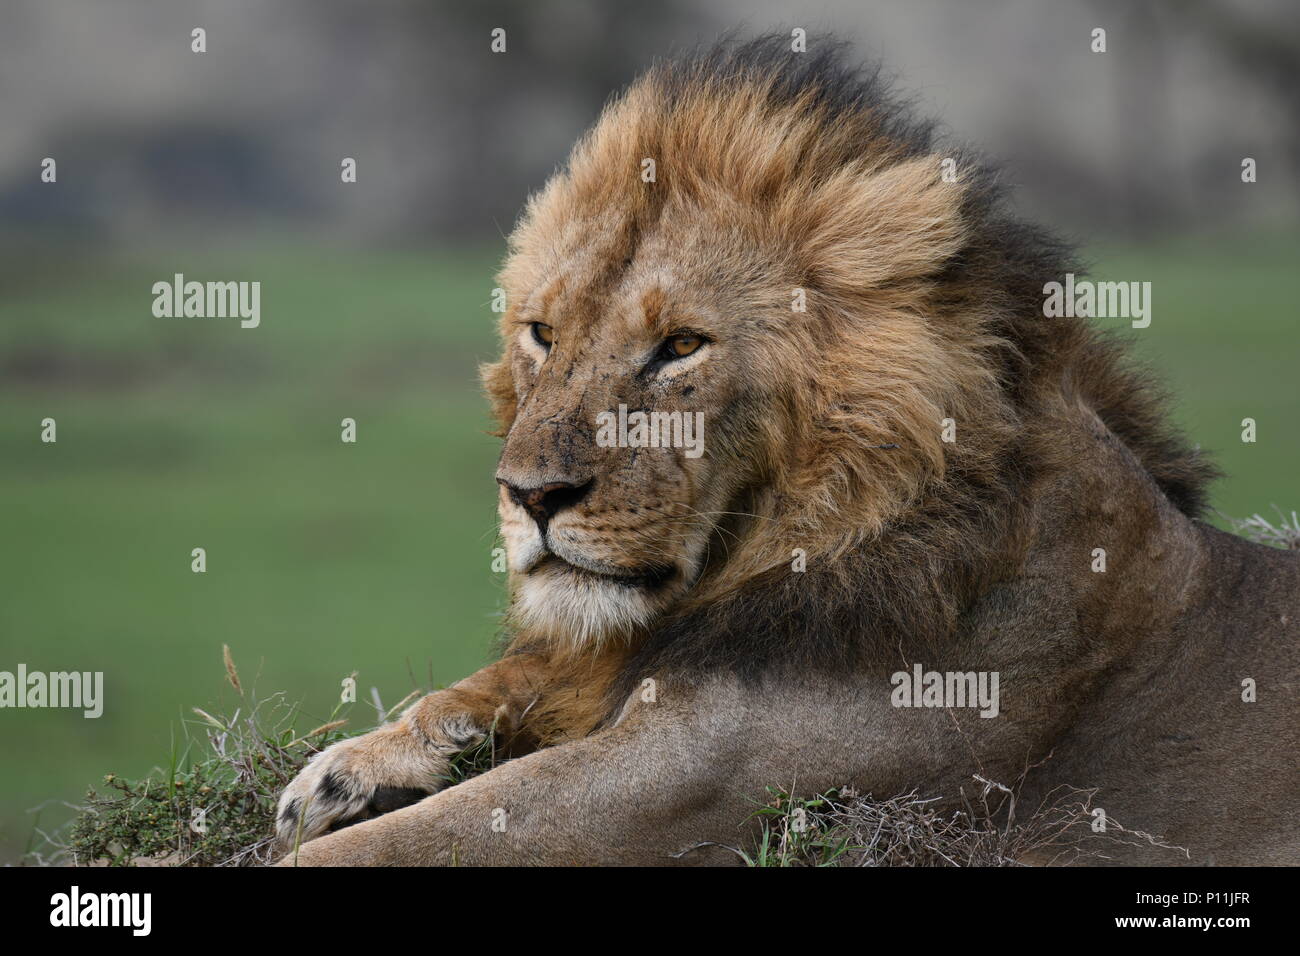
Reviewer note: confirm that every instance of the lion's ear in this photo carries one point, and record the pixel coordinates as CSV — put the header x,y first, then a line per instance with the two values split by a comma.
x,y
866,227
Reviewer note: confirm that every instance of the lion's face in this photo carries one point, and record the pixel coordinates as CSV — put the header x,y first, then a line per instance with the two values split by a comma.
x,y
643,406
701,367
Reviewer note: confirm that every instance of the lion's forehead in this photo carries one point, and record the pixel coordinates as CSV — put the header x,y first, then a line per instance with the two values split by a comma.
x,y
568,226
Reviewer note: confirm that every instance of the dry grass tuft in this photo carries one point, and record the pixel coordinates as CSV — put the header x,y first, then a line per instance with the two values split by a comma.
x,y
213,805
1285,534
988,827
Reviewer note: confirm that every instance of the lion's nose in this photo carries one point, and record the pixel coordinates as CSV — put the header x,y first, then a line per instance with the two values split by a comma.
x,y
544,502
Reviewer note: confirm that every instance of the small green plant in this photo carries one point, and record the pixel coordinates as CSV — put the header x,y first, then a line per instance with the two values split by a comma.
x,y
799,831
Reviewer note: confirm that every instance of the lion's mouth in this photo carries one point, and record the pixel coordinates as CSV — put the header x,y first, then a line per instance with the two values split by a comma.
x,y
647,578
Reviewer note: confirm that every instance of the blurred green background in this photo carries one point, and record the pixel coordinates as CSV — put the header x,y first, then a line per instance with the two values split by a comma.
x,y
325,558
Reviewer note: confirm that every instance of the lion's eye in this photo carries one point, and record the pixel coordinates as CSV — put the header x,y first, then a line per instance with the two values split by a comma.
x,y
680,346
543,334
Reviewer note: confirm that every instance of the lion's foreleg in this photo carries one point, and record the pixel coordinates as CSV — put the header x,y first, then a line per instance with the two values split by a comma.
x,y
661,781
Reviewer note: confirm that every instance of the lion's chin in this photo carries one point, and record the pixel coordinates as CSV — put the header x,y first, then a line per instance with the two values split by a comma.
x,y
580,606
649,577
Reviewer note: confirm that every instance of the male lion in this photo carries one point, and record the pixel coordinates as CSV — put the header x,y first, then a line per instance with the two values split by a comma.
x,y
904,463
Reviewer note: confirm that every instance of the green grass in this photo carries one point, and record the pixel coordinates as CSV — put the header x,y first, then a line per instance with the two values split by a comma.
x,y
326,558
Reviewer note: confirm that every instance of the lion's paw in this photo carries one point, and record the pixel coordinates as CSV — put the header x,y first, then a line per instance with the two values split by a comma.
x,y
357,779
